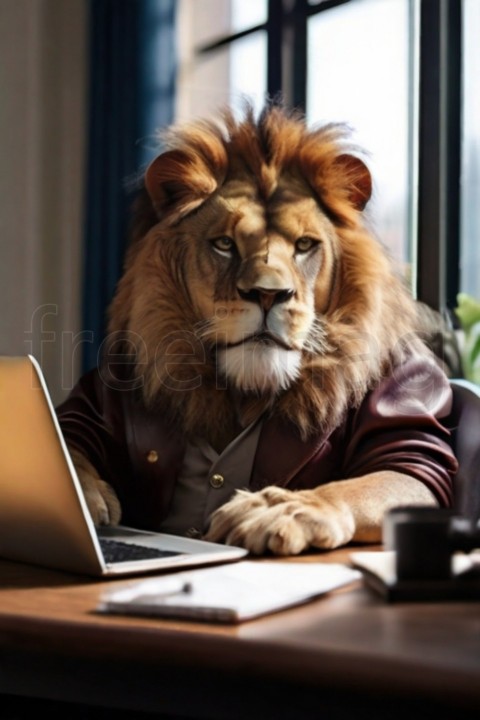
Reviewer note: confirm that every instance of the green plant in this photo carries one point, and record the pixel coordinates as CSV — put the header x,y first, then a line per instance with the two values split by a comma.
x,y
468,313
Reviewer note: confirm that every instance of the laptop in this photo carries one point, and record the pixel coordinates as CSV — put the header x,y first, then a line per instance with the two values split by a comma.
x,y
44,519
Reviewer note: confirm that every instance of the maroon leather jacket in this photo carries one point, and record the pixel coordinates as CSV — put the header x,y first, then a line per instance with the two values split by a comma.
x,y
401,426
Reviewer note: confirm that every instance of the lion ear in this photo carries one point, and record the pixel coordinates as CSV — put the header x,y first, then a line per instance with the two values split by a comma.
x,y
357,179
178,182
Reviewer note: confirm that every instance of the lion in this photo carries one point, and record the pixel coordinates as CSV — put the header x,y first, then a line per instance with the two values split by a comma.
x,y
263,382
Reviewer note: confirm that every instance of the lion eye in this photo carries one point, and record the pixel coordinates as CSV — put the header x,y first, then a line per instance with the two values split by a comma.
x,y
305,244
223,244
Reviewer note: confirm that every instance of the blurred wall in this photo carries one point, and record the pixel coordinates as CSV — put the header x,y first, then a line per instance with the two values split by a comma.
x,y
43,72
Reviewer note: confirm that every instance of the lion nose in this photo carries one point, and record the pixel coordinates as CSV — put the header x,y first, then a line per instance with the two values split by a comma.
x,y
265,297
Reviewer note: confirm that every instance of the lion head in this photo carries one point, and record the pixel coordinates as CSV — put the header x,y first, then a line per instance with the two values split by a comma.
x,y
253,283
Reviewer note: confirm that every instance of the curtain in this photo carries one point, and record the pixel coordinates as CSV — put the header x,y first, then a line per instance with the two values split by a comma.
x,y
132,83
43,79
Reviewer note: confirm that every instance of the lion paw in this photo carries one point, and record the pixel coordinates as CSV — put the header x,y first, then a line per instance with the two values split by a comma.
x,y
101,499
281,521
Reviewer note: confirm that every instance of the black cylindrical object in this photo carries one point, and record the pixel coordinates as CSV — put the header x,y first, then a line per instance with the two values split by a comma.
x,y
422,540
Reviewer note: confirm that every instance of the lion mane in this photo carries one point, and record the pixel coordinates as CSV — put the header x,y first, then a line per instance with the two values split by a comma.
x,y
363,320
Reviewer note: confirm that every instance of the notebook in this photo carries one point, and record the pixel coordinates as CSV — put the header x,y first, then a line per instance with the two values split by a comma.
x,y
44,519
230,593
380,574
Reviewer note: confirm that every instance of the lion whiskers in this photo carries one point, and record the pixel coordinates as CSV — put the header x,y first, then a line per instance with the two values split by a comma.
x,y
316,342
205,329
216,330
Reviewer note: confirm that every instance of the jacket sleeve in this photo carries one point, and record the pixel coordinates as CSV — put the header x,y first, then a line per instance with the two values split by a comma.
x,y
90,420
402,426
104,419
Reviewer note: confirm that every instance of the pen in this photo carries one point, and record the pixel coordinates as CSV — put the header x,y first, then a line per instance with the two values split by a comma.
x,y
182,589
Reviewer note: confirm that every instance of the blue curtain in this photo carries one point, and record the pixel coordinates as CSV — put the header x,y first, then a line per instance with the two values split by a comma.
x,y
131,94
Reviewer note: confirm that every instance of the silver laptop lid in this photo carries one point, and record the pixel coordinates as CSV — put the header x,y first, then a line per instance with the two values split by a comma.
x,y
43,515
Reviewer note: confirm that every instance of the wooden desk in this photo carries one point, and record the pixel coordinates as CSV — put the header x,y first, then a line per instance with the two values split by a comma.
x,y
346,655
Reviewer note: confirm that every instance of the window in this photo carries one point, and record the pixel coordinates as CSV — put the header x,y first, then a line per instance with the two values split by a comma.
x,y
222,55
470,213
393,71
359,72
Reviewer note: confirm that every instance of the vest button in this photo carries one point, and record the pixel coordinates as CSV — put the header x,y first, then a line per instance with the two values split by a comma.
x,y
152,456
217,481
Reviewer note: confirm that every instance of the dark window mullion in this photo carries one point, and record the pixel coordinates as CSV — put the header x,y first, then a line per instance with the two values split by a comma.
x,y
275,31
299,52
226,40
439,153
454,112
298,59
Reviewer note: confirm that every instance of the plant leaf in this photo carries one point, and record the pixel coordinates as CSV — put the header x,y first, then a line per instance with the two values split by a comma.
x,y
475,352
467,311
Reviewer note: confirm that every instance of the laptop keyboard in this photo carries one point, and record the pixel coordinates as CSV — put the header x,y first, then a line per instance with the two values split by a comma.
x,y
115,551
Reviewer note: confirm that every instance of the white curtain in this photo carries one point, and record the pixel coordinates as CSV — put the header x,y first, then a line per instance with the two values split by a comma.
x,y
43,71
